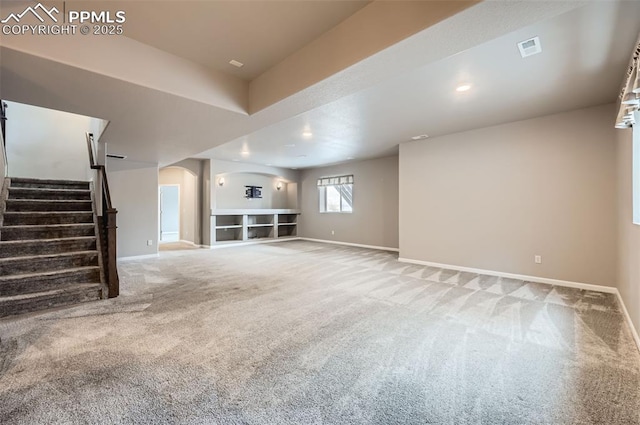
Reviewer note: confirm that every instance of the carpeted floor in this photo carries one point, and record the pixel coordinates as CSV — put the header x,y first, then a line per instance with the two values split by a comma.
x,y
176,246
307,333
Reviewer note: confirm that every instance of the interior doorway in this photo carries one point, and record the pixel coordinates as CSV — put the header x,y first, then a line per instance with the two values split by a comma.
x,y
169,213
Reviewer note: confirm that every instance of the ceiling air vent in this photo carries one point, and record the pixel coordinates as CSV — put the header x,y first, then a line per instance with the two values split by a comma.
x,y
530,47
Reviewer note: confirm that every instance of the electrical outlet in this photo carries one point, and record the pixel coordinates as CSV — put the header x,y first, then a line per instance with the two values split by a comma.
x,y
149,242
333,232
538,259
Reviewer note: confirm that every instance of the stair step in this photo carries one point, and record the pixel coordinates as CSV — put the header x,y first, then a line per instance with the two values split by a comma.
x,y
26,303
48,184
35,263
23,248
14,218
13,233
48,205
37,282
49,194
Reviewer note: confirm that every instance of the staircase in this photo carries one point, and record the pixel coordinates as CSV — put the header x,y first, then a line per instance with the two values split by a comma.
x,y
49,246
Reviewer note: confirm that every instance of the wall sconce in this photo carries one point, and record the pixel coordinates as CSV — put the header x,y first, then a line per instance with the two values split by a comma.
x,y
221,181
279,185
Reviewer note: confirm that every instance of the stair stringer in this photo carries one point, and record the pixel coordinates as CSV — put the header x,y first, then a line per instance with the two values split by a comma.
x,y
4,194
99,246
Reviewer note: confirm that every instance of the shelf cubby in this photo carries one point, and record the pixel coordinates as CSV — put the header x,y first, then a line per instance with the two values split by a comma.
x,y
260,232
257,220
227,234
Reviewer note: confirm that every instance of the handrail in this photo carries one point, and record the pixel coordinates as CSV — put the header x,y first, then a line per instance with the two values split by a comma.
x,y
108,224
92,159
3,136
3,119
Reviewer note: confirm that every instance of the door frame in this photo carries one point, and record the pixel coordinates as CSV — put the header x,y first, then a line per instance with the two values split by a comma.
x,y
160,186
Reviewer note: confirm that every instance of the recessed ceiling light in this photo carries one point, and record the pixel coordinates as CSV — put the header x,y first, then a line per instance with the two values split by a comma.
x,y
307,134
236,63
464,87
420,137
244,153
290,145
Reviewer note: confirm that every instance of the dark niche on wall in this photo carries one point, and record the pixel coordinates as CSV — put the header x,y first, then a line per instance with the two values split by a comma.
x,y
253,192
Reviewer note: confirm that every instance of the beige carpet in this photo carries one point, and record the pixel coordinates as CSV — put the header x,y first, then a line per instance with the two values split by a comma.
x,y
306,333
176,246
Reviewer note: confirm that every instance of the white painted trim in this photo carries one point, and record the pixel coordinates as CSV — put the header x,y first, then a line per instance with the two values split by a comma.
x,y
634,331
250,242
138,257
557,282
160,186
381,248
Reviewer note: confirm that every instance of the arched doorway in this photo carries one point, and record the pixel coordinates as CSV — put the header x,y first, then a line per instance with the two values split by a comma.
x,y
179,208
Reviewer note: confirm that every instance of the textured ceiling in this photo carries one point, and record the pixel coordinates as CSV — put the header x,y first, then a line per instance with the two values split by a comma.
x,y
584,56
361,111
257,33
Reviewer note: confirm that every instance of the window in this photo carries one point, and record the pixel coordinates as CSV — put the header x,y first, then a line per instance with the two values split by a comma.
x,y
336,194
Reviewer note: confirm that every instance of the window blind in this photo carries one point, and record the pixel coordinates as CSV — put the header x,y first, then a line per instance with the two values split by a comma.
x,y
331,181
630,93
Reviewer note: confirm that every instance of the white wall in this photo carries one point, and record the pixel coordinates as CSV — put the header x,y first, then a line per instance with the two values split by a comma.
x,y
232,193
225,197
47,144
374,220
628,233
494,198
134,193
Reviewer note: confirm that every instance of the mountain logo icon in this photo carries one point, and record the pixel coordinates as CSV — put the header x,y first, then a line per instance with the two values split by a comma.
x,y
34,11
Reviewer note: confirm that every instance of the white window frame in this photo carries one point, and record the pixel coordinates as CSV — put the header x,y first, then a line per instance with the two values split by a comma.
x,y
339,182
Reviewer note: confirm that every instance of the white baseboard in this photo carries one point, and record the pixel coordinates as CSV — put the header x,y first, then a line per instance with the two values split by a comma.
x,y
634,331
249,242
138,257
358,245
567,283
557,282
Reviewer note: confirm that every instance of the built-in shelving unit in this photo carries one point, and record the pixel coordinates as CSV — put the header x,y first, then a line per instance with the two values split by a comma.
x,y
248,225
